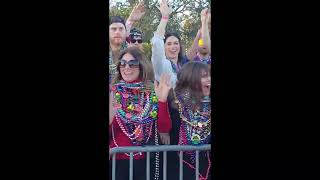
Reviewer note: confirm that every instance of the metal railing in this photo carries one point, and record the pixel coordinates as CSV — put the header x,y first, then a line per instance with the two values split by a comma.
x,y
160,148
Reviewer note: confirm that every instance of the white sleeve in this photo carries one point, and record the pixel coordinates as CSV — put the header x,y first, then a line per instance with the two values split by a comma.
x,y
159,61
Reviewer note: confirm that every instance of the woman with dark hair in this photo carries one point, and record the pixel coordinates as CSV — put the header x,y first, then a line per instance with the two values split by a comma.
x,y
190,112
167,53
138,110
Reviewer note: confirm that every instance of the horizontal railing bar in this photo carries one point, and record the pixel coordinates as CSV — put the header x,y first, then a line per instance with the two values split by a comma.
x,y
159,148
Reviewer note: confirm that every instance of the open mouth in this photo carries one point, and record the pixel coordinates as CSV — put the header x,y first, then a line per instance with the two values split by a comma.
x,y
207,86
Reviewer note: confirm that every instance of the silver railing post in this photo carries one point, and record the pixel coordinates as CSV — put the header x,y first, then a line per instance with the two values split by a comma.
x,y
148,165
114,166
181,165
197,165
164,165
131,166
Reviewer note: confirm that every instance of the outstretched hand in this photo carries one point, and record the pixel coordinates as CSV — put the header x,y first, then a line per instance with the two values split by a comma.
x,y
137,12
164,8
163,87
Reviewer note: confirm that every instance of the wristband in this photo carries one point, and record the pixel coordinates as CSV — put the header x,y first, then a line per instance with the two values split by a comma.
x,y
165,17
129,22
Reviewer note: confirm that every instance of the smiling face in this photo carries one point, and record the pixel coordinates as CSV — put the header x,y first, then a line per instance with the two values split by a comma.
x,y
129,74
172,47
117,33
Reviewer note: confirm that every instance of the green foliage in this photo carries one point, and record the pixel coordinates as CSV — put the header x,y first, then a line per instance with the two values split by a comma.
x,y
185,19
147,50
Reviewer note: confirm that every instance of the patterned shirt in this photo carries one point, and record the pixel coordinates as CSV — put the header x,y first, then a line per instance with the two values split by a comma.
x,y
112,65
206,60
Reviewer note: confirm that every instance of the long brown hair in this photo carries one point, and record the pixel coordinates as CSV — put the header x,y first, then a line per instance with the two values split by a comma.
x,y
189,80
146,74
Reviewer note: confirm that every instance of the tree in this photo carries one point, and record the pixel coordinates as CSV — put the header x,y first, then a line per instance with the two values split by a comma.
x,y
185,18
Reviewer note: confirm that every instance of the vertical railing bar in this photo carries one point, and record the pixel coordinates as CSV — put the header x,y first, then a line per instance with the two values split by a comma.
x,y
131,166
164,165
114,166
148,165
181,165
197,165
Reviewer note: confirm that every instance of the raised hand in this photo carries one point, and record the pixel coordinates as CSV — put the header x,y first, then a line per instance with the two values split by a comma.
x,y
137,12
163,87
209,19
164,8
205,15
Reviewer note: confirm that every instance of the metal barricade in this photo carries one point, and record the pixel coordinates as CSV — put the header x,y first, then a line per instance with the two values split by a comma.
x,y
160,148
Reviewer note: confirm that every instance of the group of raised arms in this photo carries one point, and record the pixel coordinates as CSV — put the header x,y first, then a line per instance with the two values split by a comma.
x,y
164,100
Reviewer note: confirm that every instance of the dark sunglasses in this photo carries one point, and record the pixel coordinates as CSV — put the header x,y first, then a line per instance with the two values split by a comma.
x,y
132,63
134,41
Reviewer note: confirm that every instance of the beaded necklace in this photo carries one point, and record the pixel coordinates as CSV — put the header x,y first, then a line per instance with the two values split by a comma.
x,y
195,127
204,60
175,68
136,113
136,110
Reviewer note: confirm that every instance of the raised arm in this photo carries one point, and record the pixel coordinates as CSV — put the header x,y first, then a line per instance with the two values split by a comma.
x,y
158,58
162,90
165,13
205,15
192,51
136,14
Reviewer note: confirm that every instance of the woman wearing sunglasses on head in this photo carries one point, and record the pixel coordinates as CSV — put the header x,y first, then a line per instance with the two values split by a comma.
x,y
138,111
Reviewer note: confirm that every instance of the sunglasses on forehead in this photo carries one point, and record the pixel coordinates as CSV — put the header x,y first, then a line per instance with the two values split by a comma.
x,y
132,63
134,41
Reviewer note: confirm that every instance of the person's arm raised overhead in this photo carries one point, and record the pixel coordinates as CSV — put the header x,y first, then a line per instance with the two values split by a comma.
x,y
158,57
165,13
162,91
205,15
192,51
136,14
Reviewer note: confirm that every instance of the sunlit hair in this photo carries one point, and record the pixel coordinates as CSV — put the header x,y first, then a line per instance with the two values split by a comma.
x,y
146,71
189,80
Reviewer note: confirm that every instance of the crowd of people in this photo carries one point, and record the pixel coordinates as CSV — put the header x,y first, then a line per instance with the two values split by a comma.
x,y
162,100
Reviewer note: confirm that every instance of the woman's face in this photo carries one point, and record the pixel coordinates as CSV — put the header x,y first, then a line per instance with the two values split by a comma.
x,y
205,83
129,68
172,47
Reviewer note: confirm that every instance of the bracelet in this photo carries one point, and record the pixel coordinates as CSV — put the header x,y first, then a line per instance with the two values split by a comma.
x,y
165,17
129,22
